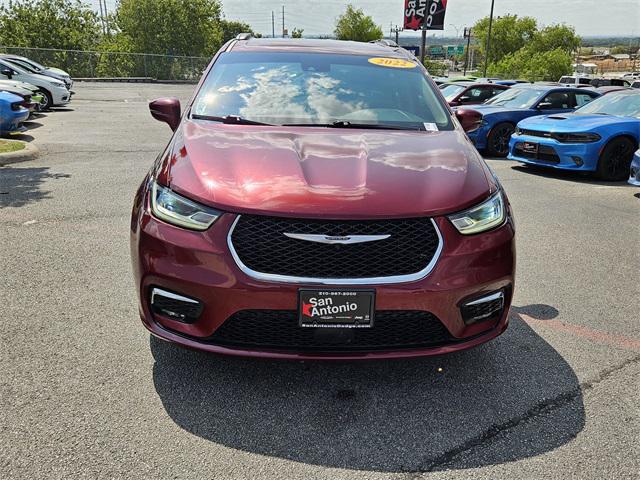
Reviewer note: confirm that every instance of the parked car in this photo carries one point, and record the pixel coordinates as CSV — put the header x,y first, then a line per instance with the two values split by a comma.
x,y
635,84
572,80
331,207
27,88
599,137
55,91
462,93
634,176
27,101
632,75
497,118
606,82
34,67
12,113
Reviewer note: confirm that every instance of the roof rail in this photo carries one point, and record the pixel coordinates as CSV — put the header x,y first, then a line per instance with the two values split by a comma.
x,y
243,36
385,42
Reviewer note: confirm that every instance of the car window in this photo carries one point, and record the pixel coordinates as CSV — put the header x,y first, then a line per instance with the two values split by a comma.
x,y
558,100
582,99
22,64
12,66
516,98
451,91
319,88
614,103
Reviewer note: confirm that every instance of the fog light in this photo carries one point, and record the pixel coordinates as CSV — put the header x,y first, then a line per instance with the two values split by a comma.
x,y
483,308
578,161
174,306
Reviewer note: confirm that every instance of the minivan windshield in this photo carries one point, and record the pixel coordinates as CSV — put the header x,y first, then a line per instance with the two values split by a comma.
x,y
286,88
516,98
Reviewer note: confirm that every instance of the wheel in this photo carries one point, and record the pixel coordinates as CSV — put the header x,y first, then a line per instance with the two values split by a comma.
x,y
498,139
615,160
47,100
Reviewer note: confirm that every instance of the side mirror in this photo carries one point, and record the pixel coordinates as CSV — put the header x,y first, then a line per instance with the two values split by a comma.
x,y
545,106
469,119
166,110
7,72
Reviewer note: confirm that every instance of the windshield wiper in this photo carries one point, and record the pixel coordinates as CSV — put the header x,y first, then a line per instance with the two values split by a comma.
x,y
348,124
228,119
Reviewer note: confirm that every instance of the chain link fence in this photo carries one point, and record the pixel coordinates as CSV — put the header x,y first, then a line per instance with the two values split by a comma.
x,y
95,64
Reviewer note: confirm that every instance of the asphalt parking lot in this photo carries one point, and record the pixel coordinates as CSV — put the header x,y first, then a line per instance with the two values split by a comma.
x,y
85,391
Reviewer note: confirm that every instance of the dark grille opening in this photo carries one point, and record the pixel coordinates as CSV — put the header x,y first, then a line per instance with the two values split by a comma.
x,y
545,153
175,309
279,330
535,133
482,311
262,246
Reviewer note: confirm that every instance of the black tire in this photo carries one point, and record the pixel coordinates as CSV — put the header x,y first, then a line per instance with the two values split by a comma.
x,y
498,139
615,160
47,102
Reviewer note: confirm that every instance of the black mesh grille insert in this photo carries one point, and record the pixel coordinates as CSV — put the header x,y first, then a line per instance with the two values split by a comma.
x,y
262,246
279,330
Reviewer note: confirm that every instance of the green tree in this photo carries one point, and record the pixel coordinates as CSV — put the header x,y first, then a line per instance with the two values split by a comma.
x,y
297,33
553,37
231,29
353,24
534,66
173,27
508,35
65,24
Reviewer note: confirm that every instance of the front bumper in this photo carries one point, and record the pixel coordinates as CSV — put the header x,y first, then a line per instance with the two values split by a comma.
x,y
570,156
199,265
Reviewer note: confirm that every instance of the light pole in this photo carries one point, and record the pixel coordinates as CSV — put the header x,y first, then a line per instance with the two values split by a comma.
x,y
486,55
457,29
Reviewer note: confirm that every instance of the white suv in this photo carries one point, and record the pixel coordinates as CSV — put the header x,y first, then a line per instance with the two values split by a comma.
x,y
55,91
32,66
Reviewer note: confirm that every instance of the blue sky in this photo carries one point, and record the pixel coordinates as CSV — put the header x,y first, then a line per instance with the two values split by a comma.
x,y
590,17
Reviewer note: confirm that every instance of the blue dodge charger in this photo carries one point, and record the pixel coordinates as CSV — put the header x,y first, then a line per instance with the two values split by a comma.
x,y
599,137
12,114
500,114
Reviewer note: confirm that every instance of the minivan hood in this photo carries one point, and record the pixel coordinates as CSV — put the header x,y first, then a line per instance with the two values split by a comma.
x,y
315,171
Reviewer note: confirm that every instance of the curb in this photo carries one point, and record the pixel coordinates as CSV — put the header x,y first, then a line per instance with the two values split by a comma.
x,y
29,152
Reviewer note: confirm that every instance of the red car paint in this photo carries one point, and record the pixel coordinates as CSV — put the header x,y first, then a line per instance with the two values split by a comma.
x,y
315,172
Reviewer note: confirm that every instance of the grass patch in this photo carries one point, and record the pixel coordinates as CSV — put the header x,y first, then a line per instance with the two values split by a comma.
x,y
6,147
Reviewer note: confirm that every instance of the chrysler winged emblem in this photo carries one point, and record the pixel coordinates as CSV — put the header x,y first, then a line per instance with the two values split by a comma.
x,y
346,240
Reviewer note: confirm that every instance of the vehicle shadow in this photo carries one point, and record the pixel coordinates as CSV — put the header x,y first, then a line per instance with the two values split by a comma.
x,y
31,125
578,177
387,416
22,186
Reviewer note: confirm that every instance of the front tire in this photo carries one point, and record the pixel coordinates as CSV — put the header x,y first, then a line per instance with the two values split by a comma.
x,y
47,100
615,161
498,139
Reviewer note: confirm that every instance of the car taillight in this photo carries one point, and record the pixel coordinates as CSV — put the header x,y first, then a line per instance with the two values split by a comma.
x,y
16,106
469,119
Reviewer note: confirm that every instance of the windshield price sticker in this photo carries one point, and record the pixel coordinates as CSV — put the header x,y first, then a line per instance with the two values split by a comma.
x,y
392,62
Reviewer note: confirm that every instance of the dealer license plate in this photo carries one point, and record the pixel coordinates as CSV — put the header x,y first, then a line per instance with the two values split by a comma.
x,y
336,308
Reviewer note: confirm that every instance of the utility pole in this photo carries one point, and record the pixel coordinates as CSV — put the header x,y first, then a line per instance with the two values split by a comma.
x,y
283,31
104,31
486,60
423,44
106,18
273,24
467,35
397,30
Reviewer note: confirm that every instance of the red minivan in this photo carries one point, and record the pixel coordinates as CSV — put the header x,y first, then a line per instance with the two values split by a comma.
x,y
319,200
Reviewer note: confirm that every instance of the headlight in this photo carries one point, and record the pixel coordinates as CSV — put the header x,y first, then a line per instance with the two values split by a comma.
x,y
57,84
480,218
576,137
178,210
